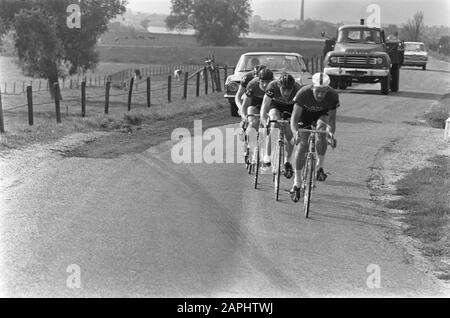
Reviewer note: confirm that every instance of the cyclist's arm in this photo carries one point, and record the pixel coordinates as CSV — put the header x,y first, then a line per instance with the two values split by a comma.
x,y
295,118
245,104
332,120
265,109
238,98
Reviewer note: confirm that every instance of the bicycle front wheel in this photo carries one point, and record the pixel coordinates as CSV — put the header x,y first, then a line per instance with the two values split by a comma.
x,y
257,163
280,157
308,183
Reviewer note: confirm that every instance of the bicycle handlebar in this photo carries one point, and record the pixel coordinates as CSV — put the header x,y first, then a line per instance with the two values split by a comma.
x,y
280,121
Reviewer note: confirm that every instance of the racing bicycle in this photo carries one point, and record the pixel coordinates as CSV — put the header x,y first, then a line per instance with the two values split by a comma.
x,y
278,155
308,181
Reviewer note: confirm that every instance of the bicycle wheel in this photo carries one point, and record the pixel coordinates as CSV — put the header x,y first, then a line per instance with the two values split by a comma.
x,y
278,176
308,182
257,162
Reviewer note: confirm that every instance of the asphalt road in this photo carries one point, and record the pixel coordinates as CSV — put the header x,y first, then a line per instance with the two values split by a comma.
x,y
140,225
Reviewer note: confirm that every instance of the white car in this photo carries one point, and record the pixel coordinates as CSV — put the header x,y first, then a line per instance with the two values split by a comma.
x,y
415,55
277,62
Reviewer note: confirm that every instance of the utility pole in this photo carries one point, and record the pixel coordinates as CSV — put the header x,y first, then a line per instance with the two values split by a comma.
x,y
302,15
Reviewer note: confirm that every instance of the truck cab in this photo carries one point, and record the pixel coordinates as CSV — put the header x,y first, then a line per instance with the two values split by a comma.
x,y
361,54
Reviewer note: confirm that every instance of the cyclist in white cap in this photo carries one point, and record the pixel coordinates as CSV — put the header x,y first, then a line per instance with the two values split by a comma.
x,y
313,103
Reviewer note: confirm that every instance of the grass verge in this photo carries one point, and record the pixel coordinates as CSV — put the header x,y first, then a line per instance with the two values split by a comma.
x,y
438,112
425,196
122,122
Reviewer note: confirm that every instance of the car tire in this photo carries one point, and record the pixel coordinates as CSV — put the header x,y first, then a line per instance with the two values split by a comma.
x,y
385,85
233,108
395,77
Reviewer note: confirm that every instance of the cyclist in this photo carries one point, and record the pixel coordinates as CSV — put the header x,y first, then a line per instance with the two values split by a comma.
x,y
255,93
313,103
243,87
257,68
279,100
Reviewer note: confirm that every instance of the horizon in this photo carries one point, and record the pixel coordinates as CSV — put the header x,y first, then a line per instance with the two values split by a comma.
x,y
436,12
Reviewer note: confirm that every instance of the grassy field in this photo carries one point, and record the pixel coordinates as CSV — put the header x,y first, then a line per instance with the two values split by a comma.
x,y
425,195
183,49
438,112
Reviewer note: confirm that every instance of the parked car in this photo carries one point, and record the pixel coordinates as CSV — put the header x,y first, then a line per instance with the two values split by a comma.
x,y
415,55
278,62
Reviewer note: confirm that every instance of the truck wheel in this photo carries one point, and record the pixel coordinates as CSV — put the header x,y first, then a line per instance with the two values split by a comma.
x,y
334,82
342,84
385,85
395,77
233,108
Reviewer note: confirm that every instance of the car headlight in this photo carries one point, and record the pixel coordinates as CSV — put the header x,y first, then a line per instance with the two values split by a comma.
x,y
333,59
232,87
379,60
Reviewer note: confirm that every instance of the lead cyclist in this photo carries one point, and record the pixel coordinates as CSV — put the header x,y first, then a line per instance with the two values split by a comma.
x,y
313,103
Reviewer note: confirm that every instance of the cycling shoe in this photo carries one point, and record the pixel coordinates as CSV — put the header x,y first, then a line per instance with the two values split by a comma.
x,y
321,175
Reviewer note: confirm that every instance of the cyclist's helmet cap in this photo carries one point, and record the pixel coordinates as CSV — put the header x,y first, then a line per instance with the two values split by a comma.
x,y
321,80
287,81
266,75
259,69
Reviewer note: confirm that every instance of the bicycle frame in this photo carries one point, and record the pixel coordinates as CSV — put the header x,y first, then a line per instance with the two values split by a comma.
x,y
308,185
281,143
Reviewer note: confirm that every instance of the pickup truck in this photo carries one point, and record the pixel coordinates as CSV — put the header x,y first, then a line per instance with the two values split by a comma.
x,y
361,54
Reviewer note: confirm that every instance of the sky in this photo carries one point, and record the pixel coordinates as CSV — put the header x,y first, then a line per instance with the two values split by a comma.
x,y
436,12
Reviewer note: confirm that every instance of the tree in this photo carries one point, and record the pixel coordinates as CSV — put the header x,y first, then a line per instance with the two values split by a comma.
x,y
414,27
216,22
45,45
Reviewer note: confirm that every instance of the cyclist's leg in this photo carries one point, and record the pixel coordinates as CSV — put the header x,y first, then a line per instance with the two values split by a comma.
x,y
253,121
272,137
321,147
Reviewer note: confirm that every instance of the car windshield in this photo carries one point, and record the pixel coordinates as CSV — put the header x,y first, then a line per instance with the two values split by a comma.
x,y
414,47
359,36
288,63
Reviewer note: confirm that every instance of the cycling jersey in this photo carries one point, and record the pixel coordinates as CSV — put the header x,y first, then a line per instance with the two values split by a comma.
x,y
312,109
255,92
305,98
247,78
283,104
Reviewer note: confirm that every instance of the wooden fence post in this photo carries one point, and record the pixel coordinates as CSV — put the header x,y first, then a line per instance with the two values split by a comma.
x,y
225,76
83,98
169,88
108,86
205,76
219,84
197,85
2,123
30,105
130,93
148,91
57,105
186,78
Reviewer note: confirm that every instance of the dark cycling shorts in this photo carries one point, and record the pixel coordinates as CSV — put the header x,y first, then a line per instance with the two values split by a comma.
x,y
307,118
283,109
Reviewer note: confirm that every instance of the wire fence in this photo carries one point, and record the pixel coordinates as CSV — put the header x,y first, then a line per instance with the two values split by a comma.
x,y
79,97
127,89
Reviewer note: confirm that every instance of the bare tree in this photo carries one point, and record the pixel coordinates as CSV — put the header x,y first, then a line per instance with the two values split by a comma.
x,y
414,27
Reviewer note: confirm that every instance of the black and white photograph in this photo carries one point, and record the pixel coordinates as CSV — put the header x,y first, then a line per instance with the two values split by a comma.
x,y
225,154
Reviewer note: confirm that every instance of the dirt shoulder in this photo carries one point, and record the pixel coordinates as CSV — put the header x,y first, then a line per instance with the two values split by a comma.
x,y
421,151
122,132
